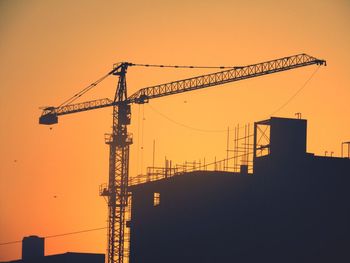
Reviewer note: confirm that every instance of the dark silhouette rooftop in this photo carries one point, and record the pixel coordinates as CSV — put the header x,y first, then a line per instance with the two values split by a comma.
x,y
293,208
33,252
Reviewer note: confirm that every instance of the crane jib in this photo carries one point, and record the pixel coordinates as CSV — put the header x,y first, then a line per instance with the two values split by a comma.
x,y
222,77
50,114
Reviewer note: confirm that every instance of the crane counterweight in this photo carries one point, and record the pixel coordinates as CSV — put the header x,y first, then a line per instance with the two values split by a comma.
x,y
48,119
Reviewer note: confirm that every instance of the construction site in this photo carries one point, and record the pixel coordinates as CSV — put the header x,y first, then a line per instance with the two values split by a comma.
x,y
289,206
268,200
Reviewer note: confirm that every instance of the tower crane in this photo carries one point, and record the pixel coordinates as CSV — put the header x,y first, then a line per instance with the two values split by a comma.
x,y
119,140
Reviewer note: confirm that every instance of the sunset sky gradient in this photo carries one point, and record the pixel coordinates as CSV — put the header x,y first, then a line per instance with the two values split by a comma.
x,y
50,50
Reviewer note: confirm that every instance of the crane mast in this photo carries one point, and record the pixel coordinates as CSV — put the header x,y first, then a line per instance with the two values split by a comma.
x,y
119,140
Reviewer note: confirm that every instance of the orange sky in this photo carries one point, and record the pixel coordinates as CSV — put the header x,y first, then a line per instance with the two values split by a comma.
x,y
51,49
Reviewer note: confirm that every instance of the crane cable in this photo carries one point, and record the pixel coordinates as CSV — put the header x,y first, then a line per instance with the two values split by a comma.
x,y
142,137
274,112
296,93
182,124
94,84
138,140
184,66
98,81
83,91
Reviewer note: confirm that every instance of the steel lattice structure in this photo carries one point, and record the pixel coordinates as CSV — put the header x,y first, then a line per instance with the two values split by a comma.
x,y
119,140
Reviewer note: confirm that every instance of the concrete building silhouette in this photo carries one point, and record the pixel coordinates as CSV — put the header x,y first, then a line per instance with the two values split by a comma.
x,y
33,252
293,208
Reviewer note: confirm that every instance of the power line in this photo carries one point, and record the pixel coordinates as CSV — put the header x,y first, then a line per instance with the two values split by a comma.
x,y
59,235
76,232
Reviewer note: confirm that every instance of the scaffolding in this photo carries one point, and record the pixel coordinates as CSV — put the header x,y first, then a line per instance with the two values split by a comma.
x,y
242,159
239,159
261,144
343,149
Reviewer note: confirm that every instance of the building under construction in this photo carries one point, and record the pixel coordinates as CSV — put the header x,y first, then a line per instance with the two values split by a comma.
x,y
116,191
292,206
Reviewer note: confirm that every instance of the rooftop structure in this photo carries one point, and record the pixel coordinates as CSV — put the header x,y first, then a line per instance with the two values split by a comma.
x,y
33,252
33,248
